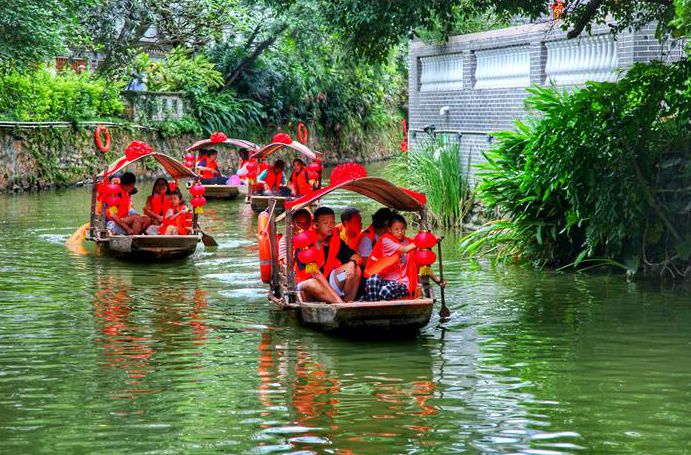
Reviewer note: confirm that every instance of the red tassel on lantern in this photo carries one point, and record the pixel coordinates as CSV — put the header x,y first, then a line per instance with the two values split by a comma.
x,y
312,259
198,203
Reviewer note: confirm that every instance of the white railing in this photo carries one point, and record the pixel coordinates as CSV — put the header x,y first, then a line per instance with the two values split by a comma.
x,y
572,62
441,73
503,68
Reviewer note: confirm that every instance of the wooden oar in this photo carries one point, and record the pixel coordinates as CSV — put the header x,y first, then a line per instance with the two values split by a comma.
x,y
74,242
444,311
207,240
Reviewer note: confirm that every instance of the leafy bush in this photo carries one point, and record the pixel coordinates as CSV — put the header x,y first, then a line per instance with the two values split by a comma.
x,y
179,72
174,128
603,175
43,95
223,111
436,171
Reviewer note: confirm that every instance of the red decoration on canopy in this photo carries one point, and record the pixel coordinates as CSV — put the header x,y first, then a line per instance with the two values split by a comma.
x,y
282,138
347,171
137,149
218,137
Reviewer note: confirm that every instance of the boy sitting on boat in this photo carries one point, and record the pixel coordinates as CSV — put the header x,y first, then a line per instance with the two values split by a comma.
x,y
208,168
122,218
274,180
338,276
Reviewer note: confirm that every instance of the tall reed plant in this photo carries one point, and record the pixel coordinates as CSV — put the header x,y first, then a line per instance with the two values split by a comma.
x,y
435,169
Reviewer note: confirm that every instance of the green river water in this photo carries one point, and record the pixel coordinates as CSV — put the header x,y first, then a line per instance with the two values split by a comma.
x,y
103,356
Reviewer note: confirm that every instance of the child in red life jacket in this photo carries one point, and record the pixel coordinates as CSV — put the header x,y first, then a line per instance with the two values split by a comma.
x,y
157,204
370,235
123,219
299,180
391,271
350,228
175,219
274,180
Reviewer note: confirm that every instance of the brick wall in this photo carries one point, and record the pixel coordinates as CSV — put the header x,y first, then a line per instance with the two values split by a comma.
x,y
476,113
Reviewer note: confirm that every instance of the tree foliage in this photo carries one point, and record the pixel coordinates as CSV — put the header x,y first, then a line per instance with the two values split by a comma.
x,y
372,28
603,174
32,31
120,28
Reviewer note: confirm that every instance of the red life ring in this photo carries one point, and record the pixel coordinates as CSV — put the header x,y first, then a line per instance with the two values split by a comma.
x,y
264,247
303,134
99,140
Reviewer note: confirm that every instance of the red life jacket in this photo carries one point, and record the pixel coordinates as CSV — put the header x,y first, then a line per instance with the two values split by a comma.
x,y
325,267
123,206
179,221
273,181
352,243
302,184
159,204
205,174
377,263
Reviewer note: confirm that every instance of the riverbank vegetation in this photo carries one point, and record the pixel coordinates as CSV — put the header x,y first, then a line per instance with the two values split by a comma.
x,y
601,175
435,169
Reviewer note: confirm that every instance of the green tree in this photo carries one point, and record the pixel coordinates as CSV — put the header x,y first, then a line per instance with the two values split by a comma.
x,y
32,31
120,28
372,28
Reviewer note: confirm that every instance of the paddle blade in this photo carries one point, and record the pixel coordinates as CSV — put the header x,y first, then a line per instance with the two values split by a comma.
x,y
207,240
74,243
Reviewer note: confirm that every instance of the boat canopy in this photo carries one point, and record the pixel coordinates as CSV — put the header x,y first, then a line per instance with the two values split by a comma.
x,y
172,166
274,147
239,143
376,188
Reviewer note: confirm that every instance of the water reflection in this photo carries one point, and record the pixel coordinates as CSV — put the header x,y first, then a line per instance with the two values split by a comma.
x,y
332,400
133,331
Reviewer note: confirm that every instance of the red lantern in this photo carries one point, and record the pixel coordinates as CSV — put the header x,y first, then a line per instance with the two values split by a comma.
x,y
314,167
198,201
314,176
251,175
218,137
312,258
197,190
172,185
425,257
303,240
282,138
252,166
112,189
425,240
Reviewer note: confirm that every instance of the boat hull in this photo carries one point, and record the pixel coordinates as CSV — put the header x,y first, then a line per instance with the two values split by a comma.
x,y
261,203
364,318
222,191
149,247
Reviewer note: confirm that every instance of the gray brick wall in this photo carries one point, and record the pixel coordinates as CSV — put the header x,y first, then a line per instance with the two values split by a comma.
x,y
477,113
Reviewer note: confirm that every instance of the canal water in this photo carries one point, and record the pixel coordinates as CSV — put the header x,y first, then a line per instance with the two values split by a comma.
x,y
103,356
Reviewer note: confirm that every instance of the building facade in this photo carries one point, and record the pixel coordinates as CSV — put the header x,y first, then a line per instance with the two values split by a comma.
x,y
476,84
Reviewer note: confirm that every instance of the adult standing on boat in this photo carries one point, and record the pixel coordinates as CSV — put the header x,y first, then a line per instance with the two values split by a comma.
x,y
342,264
123,219
299,180
274,180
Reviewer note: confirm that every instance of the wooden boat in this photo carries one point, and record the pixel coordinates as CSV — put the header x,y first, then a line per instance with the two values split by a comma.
x,y
141,247
222,191
260,202
358,318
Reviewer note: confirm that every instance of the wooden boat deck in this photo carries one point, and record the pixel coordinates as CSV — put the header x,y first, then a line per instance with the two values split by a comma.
x,y
222,191
149,247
